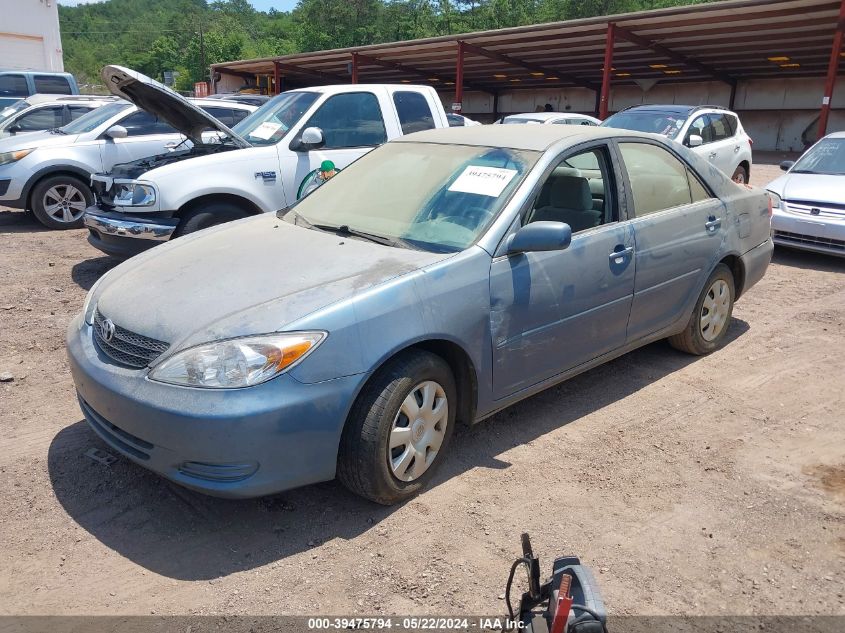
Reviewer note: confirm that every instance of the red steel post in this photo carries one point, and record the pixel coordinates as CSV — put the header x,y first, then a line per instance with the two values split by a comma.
x,y
832,69
605,74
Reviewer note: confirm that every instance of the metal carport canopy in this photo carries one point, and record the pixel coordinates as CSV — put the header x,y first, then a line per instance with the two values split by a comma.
x,y
725,41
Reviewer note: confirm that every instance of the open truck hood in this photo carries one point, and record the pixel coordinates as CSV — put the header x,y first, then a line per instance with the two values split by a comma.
x,y
157,99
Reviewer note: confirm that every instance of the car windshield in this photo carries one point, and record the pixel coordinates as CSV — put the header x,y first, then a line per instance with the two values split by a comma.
x,y
268,124
825,157
664,123
427,196
95,118
5,113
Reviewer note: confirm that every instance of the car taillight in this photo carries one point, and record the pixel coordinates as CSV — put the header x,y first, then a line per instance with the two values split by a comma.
x,y
751,141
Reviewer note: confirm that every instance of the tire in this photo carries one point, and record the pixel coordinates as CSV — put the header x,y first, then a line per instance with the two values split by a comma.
x,y
207,215
740,175
701,335
367,465
59,202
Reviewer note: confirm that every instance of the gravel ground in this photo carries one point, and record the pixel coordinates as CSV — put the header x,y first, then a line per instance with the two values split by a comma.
x,y
690,485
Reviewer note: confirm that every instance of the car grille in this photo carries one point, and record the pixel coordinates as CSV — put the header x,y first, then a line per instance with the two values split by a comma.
x,y
811,240
825,210
127,348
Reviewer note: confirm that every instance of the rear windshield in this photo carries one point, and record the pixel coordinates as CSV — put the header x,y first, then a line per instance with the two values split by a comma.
x,y
5,113
95,118
668,124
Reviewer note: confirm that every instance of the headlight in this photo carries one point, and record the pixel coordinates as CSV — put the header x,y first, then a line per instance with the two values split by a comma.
x,y
132,194
11,157
237,362
87,307
777,203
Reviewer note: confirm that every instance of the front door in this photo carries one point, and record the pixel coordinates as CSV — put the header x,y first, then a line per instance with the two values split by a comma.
x,y
552,311
678,227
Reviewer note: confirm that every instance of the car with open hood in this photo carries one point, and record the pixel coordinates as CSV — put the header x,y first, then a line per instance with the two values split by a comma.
x,y
49,172
271,159
809,199
436,280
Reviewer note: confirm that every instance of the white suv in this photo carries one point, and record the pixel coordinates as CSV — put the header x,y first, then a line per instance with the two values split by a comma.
x,y
49,172
712,132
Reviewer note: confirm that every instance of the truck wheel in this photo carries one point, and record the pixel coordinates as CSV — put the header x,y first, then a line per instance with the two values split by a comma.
x,y
398,429
711,317
208,215
59,202
740,175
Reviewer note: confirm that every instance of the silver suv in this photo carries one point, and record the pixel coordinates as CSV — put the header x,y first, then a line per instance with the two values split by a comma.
x,y
713,132
49,172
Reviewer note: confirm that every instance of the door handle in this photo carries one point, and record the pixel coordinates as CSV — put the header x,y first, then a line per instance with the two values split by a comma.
x,y
712,224
170,145
736,149
713,155
619,256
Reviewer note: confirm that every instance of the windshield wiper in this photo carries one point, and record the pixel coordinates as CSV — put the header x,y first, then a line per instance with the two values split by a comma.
x,y
344,230
57,130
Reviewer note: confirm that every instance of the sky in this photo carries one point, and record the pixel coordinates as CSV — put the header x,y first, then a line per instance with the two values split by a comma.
x,y
261,5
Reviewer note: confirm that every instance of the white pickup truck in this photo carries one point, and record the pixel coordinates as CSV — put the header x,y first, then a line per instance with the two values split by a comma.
x,y
259,165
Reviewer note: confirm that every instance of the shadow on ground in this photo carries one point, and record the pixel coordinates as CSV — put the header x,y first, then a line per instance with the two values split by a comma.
x,y
13,221
186,535
808,260
86,273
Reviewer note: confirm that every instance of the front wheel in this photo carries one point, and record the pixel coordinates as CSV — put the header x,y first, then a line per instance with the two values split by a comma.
x,y
207,215
398,429
59,202
711,317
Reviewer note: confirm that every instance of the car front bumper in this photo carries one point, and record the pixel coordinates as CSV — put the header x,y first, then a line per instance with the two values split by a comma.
x,y
123,236
236,443
820,234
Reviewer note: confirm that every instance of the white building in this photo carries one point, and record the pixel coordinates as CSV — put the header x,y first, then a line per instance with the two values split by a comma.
x,y
29,35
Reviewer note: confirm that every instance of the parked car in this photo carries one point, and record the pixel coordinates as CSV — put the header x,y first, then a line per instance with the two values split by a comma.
x,y
49,172
713,132
459,120
550,118
437,279
809,200
45,112
20,84
263,168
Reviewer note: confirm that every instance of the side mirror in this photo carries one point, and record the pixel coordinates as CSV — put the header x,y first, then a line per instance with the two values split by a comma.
x,y
540,236
787,165
311,138
15,128
117,131
694,140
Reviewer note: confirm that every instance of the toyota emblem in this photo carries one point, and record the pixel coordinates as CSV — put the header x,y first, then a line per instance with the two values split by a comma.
x,y
107,330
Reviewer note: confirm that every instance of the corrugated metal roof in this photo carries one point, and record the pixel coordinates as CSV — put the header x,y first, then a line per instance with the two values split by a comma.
x,y
736,39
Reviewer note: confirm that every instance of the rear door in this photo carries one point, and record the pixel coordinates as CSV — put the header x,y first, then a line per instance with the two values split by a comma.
x,y
724,143
552,311
678,229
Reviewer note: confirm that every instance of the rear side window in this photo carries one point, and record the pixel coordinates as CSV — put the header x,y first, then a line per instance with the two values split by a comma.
x,y
353,119
720,126
42,119
13,86
732,123
141,123
77,111
414,112
658,179
224,115
48,84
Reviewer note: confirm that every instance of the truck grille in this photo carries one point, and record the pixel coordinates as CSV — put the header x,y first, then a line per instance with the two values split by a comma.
x,y
811,240
125,347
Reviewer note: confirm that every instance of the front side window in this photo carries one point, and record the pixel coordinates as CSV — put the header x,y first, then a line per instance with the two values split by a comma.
x,y
429,196
269,124
578,192
13,86
350,120
52,85
45,118
700,127
142,123
658,179
95,118
414,112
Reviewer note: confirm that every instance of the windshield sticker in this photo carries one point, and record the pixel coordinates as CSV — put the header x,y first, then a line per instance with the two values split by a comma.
x,y
484,181
7,112
265,130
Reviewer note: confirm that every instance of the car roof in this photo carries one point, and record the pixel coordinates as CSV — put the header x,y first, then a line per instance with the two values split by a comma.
x,y
63,98
674,108
836,135
525,137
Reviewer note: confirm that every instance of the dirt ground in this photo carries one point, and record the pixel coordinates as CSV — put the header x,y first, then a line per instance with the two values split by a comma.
x,y
691,485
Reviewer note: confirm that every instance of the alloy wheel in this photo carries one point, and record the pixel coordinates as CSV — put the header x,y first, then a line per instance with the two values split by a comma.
x,y
64,203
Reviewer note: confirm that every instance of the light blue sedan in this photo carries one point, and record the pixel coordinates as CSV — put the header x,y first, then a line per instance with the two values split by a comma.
x,y
437,280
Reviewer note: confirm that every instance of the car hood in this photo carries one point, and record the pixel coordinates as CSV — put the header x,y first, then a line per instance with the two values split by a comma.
x,y
252,276
165,103
34,139
810,187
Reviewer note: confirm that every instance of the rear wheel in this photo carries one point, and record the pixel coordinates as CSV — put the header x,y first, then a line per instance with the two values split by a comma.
x,y
59,202
711,317
740,175
399,428
207,215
